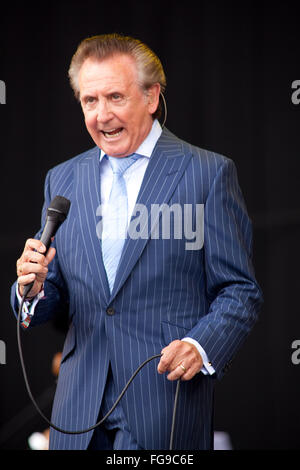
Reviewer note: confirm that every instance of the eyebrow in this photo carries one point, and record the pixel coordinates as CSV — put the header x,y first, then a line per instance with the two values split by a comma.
x,y
107,94
86,95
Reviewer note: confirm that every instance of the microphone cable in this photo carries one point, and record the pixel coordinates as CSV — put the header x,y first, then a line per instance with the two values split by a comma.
x,y
91,428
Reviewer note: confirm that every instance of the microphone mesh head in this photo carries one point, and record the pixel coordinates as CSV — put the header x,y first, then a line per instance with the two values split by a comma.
x,y
60,204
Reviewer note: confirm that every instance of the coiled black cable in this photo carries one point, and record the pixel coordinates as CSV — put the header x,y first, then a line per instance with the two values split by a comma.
x,y
91,428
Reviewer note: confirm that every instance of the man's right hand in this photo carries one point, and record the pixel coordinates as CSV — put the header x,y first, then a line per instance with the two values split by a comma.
x,y
33,266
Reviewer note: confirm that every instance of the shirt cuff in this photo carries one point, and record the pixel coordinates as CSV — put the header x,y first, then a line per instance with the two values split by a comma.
x,y
207,367
28,306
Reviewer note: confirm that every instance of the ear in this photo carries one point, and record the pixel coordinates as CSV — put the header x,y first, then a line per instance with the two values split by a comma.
x,y
153,97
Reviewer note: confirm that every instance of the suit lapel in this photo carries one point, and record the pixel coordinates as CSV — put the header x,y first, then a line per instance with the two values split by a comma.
x,y
166,166
88,197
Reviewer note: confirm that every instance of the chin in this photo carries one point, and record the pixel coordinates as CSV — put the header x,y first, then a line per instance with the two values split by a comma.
x,y
114,150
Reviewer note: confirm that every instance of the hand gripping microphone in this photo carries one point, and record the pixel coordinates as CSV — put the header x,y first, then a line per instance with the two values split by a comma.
x,y
56,214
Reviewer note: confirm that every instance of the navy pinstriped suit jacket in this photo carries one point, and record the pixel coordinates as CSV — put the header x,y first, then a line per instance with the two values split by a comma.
x,y
162,292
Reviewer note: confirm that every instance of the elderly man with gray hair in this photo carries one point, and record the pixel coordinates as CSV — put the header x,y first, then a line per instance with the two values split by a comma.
x,y
129,298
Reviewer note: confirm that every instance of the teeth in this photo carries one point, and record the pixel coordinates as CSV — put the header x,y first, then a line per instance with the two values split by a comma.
x,y
109,135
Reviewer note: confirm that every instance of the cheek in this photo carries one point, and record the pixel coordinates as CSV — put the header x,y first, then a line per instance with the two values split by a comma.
x,y
132,123
90,121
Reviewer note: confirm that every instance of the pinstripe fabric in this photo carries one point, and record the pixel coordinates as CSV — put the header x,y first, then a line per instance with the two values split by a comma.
x,y
161,292
115,428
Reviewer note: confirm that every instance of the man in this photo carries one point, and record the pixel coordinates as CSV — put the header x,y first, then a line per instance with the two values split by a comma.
x,y
152,292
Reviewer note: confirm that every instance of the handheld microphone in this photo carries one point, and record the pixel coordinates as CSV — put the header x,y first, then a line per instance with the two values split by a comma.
x,y
56,215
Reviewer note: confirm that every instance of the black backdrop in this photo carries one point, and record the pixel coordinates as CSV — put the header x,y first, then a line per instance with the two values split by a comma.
x,y
230,70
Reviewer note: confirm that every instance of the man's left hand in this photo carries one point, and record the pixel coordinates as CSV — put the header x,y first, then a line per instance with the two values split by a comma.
x,y
181,359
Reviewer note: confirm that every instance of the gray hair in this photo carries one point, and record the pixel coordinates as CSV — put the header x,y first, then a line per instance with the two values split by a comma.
x,y
149,67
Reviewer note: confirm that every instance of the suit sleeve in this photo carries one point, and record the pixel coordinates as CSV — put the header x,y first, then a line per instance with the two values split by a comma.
x,y
234,295
55,297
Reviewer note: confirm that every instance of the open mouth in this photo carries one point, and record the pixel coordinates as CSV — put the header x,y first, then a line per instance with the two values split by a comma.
x,y
112,133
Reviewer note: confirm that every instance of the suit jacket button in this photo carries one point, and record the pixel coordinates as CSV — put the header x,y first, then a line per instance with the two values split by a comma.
x,y
110,311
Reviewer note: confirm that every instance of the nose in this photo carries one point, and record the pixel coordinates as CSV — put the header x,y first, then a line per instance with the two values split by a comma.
x,y
104,112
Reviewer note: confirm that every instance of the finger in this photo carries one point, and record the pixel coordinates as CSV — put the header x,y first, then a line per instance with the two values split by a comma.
x,y
190,373
181,356
172,356
33,257
177,373
36,257
18,266
163,365
187,355
29,267
184,371
26,279
168,355
188,364
34,244
193,366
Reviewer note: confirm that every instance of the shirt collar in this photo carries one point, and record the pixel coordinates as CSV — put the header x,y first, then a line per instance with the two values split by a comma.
x,y
147,146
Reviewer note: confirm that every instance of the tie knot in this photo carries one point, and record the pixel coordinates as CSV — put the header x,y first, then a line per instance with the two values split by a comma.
x,y
120,164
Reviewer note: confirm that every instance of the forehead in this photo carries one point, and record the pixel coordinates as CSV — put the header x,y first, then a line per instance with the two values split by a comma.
x,y
119,70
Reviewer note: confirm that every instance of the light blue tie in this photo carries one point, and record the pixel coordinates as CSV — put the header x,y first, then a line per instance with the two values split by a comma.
x,y
116,217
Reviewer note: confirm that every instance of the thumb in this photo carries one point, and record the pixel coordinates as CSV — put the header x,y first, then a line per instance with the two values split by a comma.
x,y
50,255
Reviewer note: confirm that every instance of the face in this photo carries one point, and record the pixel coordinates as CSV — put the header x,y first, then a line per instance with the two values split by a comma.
x,y
117,112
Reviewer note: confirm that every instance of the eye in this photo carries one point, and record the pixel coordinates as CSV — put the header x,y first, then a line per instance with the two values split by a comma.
x,y
89,102
89,99
116,96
